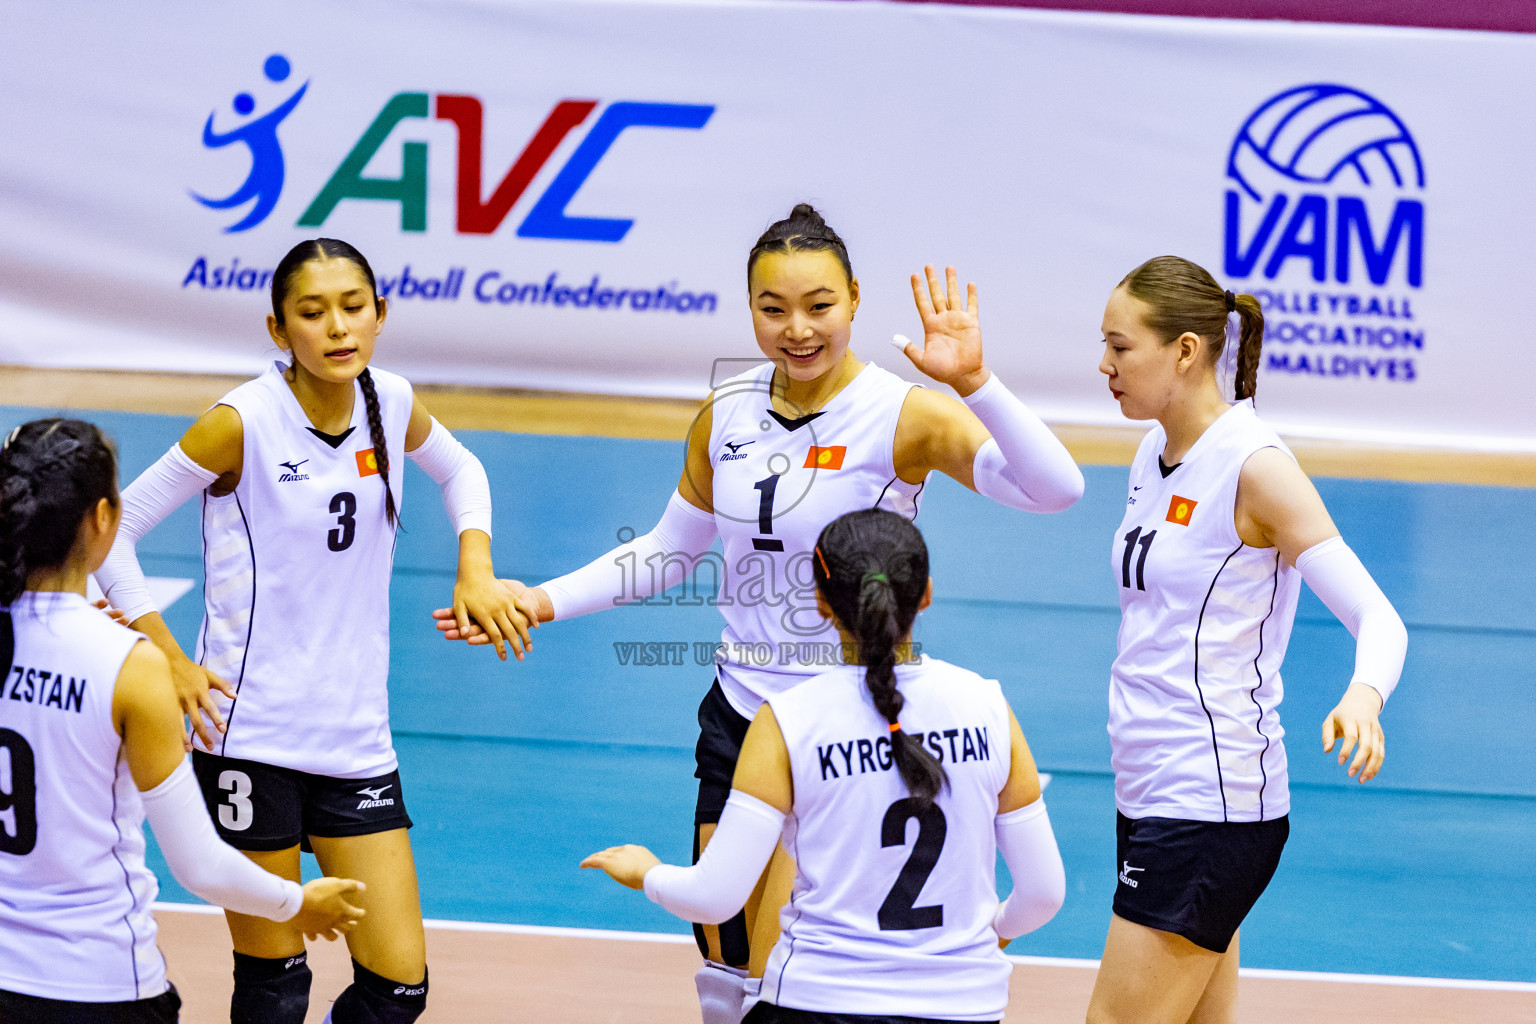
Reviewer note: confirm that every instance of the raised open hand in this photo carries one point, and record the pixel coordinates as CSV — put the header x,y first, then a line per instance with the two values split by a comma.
x,y
951,350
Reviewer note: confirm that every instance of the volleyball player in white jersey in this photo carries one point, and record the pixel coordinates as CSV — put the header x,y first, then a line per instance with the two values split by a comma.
x,y
776,454
298,472
1221,526
88,719
888,922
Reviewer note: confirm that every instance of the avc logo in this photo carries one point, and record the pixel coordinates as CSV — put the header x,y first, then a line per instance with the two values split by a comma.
x,y
474,216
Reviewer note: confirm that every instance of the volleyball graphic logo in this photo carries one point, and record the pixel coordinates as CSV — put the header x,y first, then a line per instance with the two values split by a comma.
x,y
1324,135
1328,178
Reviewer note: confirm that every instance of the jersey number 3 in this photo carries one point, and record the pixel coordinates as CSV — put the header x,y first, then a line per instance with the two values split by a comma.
x,y
344,507
898,913
18,794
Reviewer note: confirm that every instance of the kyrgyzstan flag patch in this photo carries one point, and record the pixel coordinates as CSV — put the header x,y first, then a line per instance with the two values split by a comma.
x,y
1180,509
825,458
367,463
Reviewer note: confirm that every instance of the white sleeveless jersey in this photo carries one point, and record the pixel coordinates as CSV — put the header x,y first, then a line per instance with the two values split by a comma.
x,y
891,913
777,484
75,895
1195,690
296,563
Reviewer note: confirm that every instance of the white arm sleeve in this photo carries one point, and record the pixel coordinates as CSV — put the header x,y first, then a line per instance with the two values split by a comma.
x,y
668,553
157,493
1039,880
1024,465
454,468
715,888
210,868
1336,576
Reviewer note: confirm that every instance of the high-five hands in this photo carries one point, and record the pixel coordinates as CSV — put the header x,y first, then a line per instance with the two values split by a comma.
x,y
951,350
531,603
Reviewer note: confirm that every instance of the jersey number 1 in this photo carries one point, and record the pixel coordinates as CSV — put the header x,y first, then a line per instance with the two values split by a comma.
x,y
898,913
765,516
18,794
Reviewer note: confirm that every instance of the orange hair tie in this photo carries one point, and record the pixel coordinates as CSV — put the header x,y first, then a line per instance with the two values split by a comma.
x,y
824,570
895,727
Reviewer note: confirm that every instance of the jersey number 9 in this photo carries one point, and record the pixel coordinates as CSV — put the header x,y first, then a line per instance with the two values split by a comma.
x,y
18,794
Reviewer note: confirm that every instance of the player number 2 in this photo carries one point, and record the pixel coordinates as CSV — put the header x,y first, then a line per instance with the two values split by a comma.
x,y
1141,563
237,814
344,507
897,913
18,794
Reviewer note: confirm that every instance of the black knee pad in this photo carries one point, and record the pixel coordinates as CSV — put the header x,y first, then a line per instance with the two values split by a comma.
x,y
374,999
270,991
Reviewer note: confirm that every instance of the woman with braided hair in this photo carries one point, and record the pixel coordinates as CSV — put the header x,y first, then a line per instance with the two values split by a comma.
x,y
778,452
1221,526
894,781
91,741
298,474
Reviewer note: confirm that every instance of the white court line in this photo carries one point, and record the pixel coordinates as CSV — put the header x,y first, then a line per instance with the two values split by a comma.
x,y
1025,961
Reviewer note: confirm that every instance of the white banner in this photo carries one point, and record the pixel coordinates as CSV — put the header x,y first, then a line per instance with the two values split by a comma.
x,y
562,195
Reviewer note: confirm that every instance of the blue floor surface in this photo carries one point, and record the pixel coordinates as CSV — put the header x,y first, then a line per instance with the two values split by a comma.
x,y
513,772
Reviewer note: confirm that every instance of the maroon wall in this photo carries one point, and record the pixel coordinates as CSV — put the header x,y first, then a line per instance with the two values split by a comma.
x,y
1491,15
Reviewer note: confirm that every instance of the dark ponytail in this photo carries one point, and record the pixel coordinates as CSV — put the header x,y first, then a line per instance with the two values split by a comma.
x,y
802,231
871,566
52,474
282,281
1182,296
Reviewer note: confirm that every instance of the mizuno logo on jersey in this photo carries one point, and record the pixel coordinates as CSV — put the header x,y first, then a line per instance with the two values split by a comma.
x,y
367,463
1125,873
735,451
292,473
375,798
825,458
1180,509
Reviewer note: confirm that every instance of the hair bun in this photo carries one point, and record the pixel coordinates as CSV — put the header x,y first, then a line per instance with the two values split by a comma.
x,y
807,212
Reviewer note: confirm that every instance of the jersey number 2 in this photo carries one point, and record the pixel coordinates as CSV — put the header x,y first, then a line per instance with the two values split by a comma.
x,y
18,794
897,913
344,507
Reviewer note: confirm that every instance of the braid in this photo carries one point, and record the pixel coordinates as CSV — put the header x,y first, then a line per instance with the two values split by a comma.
x,y
872,568
376,435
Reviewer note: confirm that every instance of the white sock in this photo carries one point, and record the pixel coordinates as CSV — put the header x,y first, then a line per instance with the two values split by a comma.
x,y
721,990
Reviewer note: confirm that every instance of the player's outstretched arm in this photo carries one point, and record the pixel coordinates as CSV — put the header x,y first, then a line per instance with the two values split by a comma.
x,y
1277,506
146,716
210,454
718,886
1028,846
478,596
684,533
992,443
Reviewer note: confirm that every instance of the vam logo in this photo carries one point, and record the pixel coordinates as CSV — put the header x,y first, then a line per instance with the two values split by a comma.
x,y
265,182
1329,176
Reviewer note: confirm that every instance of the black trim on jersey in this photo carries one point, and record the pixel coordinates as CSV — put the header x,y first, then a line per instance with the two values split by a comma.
x,y
1166,469
778,991
1258,725
133,901
334,440
250,625
916,495
767,544
1215,747
794,425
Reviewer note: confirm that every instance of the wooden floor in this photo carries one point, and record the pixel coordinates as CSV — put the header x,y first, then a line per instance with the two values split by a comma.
x,y
545,412
481,976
